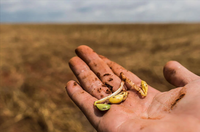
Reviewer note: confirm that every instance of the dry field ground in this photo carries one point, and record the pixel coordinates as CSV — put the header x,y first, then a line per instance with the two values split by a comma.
x,y
34,66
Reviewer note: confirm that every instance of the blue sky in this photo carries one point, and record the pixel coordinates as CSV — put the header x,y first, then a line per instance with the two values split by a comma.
x,y
97,11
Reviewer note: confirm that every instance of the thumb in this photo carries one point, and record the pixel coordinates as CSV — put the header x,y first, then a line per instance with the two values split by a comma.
x,y
178,75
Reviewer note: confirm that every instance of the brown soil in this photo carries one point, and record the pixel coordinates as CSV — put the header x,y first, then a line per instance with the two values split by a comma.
x,y
34,66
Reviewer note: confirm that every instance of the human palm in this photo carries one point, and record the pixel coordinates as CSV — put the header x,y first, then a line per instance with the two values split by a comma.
x,y
175,110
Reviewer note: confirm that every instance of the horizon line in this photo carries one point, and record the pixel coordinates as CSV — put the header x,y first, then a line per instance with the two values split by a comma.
x,y
80,23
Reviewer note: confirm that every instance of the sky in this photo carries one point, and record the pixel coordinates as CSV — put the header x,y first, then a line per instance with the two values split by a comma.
x,y
99,11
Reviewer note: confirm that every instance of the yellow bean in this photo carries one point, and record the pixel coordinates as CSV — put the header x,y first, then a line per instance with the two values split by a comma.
x,y
125,95
118,98
144,87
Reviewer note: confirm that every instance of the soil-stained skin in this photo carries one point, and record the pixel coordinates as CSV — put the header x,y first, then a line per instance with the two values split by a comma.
x,y
162,104
99,67
87,79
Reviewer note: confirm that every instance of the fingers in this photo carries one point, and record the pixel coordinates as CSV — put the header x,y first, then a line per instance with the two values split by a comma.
x,y
88,80
84,101
95,73
178,75
117,69
99,67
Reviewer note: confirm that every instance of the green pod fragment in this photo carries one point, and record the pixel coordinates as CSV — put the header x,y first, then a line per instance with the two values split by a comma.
x,y
103,107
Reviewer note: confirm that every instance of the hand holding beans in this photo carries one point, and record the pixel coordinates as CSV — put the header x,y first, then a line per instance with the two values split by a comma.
x,y
175,110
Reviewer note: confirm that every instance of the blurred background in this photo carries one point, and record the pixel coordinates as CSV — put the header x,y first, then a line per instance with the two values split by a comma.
x,y
37,39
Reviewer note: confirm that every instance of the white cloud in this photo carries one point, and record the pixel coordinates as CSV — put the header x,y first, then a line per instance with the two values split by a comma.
x,y
99,11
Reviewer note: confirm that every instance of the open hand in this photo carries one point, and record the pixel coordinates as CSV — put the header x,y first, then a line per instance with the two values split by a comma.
x,y
175,110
